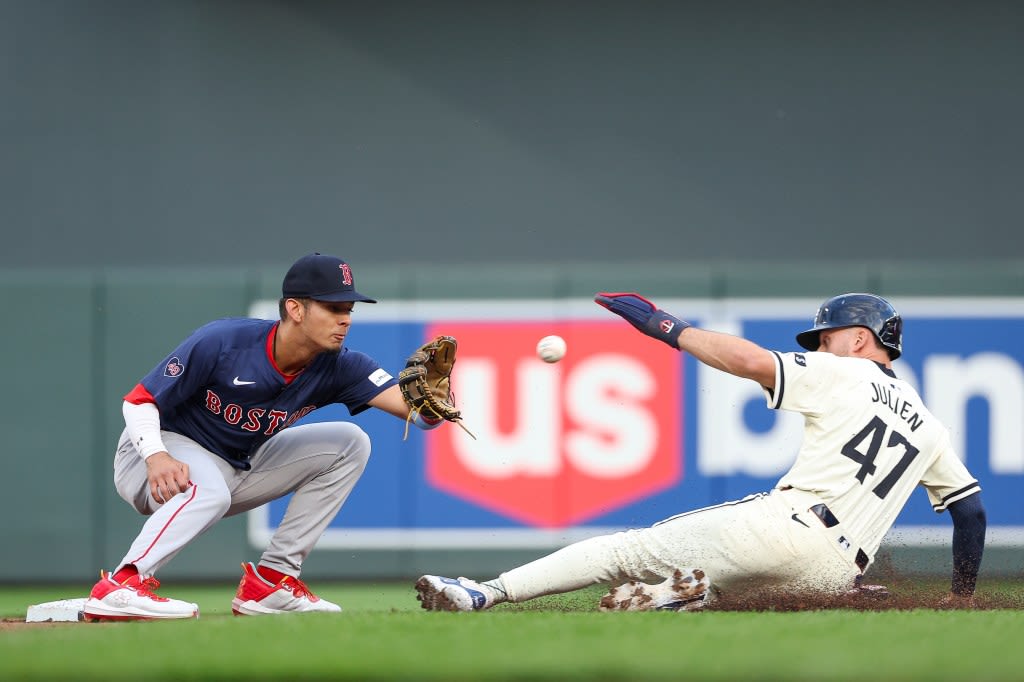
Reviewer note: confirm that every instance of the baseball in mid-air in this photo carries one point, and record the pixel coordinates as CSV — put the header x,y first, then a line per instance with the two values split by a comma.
x,y
551,348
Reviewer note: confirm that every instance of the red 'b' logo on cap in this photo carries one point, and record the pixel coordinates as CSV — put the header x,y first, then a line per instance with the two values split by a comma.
x,y
346,274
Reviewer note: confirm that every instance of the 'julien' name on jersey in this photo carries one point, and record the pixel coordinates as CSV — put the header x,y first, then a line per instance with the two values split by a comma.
x,y
899,406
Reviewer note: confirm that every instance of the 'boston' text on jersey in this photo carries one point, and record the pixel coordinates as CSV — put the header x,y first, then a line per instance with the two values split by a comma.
x,y
233,414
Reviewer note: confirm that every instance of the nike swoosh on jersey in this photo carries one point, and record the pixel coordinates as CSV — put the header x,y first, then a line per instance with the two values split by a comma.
x,y
798,520
238,382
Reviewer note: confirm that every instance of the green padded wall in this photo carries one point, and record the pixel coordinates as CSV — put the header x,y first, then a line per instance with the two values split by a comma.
x,y
77,340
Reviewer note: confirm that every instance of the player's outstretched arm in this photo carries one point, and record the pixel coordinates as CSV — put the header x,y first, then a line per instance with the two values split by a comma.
x,y
390,400
725,352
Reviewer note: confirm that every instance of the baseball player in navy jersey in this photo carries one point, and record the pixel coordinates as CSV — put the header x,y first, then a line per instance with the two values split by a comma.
x,y
868,442
209,434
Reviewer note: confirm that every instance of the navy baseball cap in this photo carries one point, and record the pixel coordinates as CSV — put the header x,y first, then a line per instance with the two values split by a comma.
x,y
321,278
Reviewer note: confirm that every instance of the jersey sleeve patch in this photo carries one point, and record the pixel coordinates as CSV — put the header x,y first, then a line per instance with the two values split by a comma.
x,y
174,368
380,377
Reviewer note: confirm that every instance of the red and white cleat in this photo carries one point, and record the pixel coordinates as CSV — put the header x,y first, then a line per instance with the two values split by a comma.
x,y
133,599
257,596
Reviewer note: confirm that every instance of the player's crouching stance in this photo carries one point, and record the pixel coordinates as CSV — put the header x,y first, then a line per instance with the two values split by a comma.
x,y
868,442
209,434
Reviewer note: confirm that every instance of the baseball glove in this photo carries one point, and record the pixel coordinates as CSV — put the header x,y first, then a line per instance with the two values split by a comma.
x,y
426,382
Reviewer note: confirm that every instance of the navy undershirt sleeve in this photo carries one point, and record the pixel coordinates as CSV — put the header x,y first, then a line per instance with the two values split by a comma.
x,y
969,524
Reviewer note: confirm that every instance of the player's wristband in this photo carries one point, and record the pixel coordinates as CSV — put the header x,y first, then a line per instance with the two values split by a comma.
x,y
426,423
665,327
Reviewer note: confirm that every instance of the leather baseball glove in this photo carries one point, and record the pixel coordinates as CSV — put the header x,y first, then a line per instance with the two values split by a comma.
x,y
426,382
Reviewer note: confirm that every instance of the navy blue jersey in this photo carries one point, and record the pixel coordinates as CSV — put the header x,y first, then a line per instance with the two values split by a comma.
x,y
221,388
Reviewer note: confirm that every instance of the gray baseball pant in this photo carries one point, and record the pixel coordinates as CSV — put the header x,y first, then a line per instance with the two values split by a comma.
x,y
320,463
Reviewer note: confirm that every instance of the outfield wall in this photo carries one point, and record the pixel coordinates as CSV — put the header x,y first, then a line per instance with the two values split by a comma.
x,y
78,340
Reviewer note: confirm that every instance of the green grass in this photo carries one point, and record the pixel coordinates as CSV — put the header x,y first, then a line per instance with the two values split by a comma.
x,y
383,635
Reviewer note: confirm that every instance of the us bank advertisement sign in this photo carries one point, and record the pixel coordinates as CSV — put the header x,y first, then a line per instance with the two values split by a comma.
x,y
624,432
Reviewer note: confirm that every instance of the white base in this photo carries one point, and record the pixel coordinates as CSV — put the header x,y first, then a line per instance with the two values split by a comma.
x,y
62,611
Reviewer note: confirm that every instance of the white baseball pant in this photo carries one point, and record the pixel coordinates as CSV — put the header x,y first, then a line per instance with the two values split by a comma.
x,y
768,541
